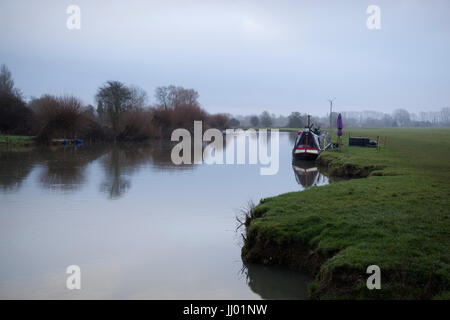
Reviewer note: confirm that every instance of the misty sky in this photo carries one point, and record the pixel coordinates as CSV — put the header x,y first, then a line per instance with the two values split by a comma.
x,y
241,56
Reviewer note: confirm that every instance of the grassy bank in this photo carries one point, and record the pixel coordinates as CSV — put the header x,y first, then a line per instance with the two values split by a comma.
x,y
397,218
16,140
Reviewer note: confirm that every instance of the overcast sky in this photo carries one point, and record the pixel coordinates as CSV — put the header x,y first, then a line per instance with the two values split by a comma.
x,y
241,56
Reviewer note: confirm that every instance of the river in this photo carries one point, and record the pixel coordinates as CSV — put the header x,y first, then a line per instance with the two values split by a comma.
x,y
138,226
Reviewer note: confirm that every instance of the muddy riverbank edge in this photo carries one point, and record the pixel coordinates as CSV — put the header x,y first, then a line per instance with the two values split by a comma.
x,y
336,231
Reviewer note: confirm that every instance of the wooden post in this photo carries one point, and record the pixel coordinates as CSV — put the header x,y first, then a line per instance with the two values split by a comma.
x,y
378,143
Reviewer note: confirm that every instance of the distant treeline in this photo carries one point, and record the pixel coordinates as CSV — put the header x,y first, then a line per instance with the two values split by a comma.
x,y
352,119
122,113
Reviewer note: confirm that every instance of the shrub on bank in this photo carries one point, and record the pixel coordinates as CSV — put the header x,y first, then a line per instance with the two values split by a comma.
x,y
137,125
59,117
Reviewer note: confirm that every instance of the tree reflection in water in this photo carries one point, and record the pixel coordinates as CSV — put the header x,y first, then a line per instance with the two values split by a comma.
x,y
124,160
116,184
63,168
15,166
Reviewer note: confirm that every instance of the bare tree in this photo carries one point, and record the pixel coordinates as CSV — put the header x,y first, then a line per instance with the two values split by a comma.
x,y
234,123
265,119
15,117
113,99
173,97
445,115
254,121
185,97
139,97
6,80
162,96
402,117
296,120
7,83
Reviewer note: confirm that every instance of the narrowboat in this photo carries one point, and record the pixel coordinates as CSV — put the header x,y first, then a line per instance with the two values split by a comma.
x,y
310,143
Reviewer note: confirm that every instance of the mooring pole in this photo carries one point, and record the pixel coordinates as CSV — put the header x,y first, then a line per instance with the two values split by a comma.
x,y
331,111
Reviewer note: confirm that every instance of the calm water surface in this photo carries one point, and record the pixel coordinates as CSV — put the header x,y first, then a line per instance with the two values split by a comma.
x,y
138,226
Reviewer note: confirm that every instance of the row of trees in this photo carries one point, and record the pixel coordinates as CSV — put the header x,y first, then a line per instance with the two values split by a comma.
x,y
365,119
264,120
122,113
398,118
267,120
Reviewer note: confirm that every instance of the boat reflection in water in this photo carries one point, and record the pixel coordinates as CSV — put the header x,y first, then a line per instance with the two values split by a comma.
x,y
308,174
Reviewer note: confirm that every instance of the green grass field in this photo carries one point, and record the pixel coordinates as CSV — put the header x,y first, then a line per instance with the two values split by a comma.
x,y
397,218
16,140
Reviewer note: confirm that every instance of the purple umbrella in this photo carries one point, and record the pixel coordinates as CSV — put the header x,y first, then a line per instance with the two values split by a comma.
x,y
339,125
